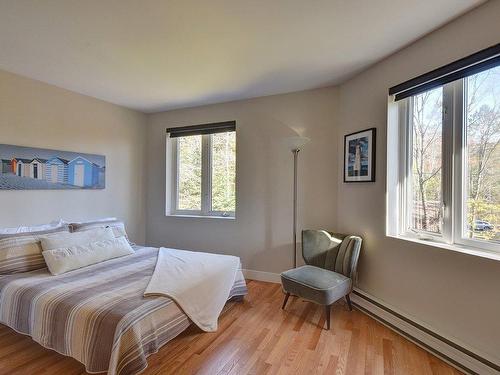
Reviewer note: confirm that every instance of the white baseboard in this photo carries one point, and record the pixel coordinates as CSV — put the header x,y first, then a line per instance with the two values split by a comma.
x,y
457,355
269,277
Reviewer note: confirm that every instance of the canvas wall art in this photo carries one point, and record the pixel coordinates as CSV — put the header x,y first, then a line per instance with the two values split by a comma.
x,y
359,156
28,168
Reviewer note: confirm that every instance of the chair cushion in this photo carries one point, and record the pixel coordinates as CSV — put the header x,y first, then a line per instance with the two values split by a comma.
x,y
316,284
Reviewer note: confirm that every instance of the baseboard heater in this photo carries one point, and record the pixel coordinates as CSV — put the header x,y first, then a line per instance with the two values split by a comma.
x,y
456,355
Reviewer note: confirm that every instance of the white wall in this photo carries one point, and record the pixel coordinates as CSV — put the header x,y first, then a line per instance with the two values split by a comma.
x,y
456,294
35,114
261,234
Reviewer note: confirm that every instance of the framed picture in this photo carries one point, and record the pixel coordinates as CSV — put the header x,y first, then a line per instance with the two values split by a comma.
x,y
29,168
359,156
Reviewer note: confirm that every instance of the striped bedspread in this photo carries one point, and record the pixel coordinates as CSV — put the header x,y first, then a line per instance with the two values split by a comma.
x,y
97,314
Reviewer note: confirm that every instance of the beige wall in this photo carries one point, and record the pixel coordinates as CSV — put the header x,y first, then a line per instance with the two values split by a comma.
x,y
456,294
39,115
261,234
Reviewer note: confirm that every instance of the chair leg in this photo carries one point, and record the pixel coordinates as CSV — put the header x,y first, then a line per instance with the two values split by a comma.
x,y
348,299
327,310
285,301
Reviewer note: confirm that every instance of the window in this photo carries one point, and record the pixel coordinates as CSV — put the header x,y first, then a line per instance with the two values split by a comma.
x,y
203,171
189,154
481,159
223,165
426,161
447,141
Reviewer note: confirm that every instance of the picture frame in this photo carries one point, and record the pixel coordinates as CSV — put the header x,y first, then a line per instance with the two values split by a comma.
x,y
360,156
31,168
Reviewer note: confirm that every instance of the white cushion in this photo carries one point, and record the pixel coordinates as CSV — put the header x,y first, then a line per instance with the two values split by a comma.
x,y
101,220
64,240
117,226
71,258
33,228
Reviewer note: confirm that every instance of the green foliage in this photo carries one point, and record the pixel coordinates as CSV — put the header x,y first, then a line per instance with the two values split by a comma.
x,y
189,161
427,160
223,171
483,154
223,182
482,157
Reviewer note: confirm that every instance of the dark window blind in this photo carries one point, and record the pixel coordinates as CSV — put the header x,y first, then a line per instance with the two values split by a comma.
x,y
483,60
215,127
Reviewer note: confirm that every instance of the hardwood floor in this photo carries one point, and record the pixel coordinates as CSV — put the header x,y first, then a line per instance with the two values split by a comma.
x,y
257,337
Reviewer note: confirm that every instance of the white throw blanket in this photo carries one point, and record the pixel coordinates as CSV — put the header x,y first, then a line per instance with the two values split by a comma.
x,y
200,283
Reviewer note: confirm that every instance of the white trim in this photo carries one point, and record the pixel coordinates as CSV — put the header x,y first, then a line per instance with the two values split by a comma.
x,y
394,223
172,181
206,174
469,250
458,168
406,135
193,216
447,156
174,184
438,345
268,277
461,171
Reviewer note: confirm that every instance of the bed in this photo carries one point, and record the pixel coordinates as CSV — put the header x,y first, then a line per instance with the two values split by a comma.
x,y
98,314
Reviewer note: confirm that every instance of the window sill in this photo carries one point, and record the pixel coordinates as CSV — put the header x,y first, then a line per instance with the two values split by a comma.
x,y
201,216
469,250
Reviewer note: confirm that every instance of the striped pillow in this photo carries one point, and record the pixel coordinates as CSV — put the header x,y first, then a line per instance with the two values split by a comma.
x,y
22,252
117,226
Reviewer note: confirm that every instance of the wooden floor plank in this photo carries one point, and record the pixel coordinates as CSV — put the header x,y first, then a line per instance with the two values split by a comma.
x,y
258,337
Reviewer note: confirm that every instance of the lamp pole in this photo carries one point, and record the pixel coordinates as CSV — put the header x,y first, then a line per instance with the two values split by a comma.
x,y
295,144
295,160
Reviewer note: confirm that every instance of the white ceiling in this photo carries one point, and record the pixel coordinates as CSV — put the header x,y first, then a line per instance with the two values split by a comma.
x,y
154,55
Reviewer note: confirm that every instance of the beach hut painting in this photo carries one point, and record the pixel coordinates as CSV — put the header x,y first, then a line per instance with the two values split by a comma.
x,y
82,172
37,169
6,166
27,168
57,170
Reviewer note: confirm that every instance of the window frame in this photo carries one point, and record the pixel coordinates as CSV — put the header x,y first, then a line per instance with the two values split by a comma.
x,y
406,152
206,182
460,170
454,166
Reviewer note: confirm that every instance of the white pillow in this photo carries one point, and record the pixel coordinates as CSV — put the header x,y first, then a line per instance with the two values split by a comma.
x,y
60,240
101,220
34,228
117,226
71,258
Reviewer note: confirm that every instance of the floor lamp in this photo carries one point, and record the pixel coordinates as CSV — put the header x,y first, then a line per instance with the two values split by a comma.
x,y
295,144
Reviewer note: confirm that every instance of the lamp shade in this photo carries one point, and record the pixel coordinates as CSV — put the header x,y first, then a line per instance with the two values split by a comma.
x,y
296,142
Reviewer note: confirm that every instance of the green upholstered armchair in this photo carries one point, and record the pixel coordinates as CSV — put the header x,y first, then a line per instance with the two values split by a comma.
x,y
331,261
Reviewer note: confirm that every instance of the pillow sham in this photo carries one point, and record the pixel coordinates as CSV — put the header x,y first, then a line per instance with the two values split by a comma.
x,y
22,252
67,259
33,228
65,239
93,221
117,226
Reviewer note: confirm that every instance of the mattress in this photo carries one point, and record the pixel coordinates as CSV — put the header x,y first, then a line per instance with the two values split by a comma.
x,y
98,314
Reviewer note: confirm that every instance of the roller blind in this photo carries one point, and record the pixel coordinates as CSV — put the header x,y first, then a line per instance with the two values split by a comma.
x,y
483,60
215,127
